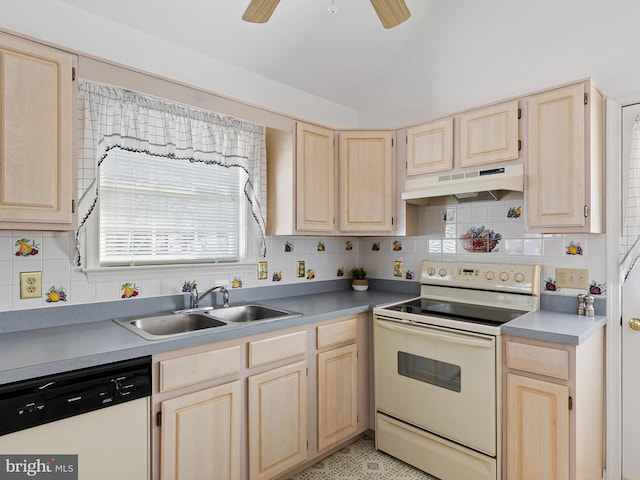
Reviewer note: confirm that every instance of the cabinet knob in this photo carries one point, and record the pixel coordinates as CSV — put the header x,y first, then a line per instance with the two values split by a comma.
x,y
634,323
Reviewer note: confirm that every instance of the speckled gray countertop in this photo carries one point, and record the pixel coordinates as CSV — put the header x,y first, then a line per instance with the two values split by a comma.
x,y
554,326
43,351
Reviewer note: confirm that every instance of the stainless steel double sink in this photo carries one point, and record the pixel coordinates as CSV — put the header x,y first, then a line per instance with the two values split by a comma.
x,y
185,322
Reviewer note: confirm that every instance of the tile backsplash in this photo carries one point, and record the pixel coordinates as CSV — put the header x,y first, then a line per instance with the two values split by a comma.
x,y
459,232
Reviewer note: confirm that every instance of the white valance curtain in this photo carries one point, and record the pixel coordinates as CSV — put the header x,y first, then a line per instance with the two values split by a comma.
x,y
630,238
117,118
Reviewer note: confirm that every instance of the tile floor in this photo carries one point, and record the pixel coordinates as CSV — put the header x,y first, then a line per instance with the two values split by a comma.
x,y
361,461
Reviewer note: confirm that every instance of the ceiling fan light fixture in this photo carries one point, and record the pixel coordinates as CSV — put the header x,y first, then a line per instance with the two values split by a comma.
x,y
260,11
391,12
332,7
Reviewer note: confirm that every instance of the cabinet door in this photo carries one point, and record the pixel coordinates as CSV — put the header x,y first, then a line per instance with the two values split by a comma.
x,y
430,147
36,163
337,395
315,179
556,168
200,434
489,135
537,429
367,182
277,421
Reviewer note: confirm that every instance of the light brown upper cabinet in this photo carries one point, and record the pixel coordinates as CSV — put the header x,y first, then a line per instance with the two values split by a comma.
x,y
301,179
564,168
315,179
489,135
367,182
430,147
36,153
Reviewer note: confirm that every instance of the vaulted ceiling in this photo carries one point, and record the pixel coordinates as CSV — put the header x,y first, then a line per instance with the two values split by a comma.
x,y
339,57
345,70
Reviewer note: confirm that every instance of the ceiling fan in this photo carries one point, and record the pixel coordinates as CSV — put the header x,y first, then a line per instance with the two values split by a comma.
x,y
390,12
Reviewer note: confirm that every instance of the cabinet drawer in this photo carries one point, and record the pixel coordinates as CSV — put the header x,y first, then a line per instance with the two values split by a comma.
x,y
336,333
548,361
190,369
273,349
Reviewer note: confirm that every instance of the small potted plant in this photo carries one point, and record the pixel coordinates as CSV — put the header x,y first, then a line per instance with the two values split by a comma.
x,y
359,276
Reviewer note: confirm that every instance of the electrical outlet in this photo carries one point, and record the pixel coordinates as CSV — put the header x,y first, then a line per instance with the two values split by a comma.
x,y
30,284
572,278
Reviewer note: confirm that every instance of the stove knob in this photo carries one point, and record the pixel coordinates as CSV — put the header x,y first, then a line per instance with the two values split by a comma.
x,y
519,277
489,275
431,271
443,272
504,276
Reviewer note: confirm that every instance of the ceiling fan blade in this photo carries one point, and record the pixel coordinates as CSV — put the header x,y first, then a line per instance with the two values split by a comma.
x,y
391,12
259,11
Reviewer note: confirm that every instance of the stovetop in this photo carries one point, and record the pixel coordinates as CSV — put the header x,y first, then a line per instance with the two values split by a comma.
x,y
481,314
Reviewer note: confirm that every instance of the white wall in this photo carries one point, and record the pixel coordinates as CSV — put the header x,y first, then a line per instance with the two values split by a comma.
x,y
472,52
74,29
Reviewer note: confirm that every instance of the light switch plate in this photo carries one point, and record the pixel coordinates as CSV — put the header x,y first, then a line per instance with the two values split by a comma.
x,y
30,284
572,278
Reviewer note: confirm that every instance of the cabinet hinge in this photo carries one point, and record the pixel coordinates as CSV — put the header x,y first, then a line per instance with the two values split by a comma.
x,y
519,145
159,419
391,220
586,211
73,206
519,113
406,139
307,371
392,142
73,74
307,444
586,98
570,403
357,419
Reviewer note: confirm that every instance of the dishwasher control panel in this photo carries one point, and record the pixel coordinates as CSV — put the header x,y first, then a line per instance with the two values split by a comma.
x,y
42,400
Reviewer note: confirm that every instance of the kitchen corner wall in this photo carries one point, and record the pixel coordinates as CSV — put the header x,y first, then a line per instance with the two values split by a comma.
x,y
325,258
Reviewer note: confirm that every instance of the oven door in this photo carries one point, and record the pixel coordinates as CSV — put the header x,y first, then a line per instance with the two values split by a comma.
x,y
438,379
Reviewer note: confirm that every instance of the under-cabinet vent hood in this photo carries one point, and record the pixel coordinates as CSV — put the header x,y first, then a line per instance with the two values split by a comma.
x,y
477,185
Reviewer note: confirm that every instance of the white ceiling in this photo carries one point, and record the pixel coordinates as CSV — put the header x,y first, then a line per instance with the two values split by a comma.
x,y
346,70
338,57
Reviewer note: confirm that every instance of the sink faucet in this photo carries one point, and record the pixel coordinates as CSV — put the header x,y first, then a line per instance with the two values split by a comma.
x,y
194,299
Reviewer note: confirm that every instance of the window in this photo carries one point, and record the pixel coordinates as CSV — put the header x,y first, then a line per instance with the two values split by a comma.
x,y
158,210
161,183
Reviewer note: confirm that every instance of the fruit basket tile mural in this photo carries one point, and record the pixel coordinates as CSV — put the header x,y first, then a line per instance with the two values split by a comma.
x,y
340,272
348,245
188,286
277,277
397,246
236,282
321,247
375,247
288,247
480,240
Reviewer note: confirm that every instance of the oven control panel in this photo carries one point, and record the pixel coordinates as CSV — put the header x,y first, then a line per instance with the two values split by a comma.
x,y
515,278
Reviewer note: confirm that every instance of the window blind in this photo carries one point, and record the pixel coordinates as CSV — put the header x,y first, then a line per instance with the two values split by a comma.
x,y
158,210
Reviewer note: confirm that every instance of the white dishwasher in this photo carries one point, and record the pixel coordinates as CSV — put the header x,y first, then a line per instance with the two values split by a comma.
x,y
101,414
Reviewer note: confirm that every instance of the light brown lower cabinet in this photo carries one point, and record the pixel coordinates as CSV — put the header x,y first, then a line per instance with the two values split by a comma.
x,y
337,394
554,398
277,420
201,434
537,429
245,409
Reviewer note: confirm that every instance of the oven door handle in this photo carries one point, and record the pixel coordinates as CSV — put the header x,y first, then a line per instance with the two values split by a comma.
x,y
458,338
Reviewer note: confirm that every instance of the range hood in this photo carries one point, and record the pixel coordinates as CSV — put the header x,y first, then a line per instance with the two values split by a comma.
x,y
477,185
